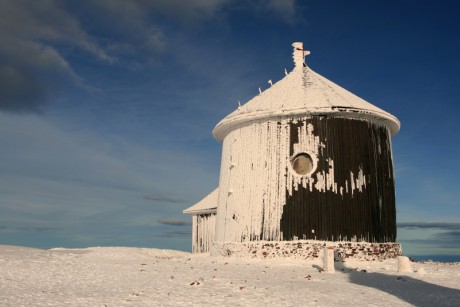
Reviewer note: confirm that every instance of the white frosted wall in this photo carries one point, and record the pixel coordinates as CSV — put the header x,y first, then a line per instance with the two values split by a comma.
x,y
254,161
203,230
194,234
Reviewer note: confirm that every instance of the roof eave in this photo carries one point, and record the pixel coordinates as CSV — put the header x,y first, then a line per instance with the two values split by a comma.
x,y
383,118
203,211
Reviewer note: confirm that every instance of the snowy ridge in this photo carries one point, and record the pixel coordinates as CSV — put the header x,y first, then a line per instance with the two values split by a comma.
x,y
120,276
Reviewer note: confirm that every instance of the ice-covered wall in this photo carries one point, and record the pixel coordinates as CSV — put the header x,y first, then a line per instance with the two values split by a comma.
x,y
203,230
257,181
252,185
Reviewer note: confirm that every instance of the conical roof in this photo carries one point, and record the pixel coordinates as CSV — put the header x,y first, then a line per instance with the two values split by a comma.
x,y
305,92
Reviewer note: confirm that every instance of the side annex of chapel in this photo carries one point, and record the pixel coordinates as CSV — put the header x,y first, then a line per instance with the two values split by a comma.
x,y
203,222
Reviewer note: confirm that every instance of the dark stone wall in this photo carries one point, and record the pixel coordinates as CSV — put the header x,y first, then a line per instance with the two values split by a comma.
x,y
367,215
310,250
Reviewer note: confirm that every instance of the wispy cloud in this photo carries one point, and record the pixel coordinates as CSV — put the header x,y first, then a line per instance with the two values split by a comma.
x,y
429,238
32,35
172,234
32,227
174,222
33,66
164,199
430,225
39,229
289,11
286,9
450,239
38,39
132,11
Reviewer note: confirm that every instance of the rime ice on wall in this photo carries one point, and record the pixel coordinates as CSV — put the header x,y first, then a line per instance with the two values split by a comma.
x,y
323,180
203,222
203,232
250,199
262,198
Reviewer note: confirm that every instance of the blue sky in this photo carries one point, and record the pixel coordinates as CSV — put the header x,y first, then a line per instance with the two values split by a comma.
x,y
107,108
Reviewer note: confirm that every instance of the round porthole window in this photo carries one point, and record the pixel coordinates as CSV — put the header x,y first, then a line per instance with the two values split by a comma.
x,y
302,164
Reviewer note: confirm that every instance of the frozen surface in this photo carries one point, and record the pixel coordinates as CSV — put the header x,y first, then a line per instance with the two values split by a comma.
x,y
117,276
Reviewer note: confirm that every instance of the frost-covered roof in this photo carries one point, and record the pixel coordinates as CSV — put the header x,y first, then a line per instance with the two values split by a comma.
x,y
305,92
206,205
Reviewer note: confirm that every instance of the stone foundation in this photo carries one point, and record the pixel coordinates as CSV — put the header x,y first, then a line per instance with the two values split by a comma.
x,y
307,249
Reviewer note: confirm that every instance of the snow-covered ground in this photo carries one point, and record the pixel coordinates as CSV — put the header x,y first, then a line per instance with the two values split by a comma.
x,y
114,276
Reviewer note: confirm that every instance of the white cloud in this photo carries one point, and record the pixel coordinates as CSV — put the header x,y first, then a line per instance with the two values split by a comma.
x,y
32,64
177,9
286,9
45,21
37,38
174,222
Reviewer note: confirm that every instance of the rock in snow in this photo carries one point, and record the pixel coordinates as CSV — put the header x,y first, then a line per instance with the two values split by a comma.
x,y
114,276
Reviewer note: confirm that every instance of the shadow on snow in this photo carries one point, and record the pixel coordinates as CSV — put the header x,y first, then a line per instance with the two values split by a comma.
x,y
406,288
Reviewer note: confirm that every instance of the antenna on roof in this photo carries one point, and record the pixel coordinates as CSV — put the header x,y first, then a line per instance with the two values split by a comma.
x,y
270,82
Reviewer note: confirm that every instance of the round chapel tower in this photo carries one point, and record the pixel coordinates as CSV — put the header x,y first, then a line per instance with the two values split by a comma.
x,y
306,160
